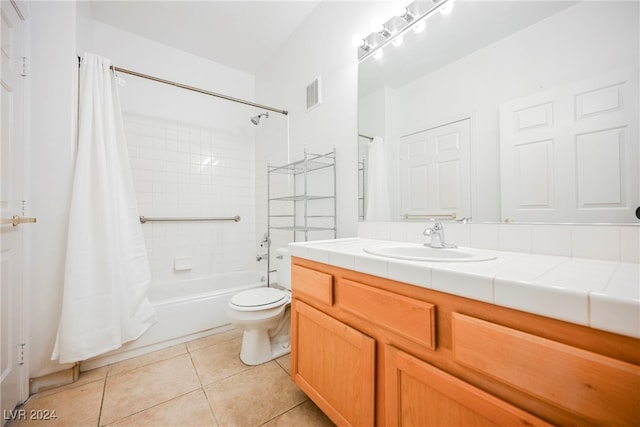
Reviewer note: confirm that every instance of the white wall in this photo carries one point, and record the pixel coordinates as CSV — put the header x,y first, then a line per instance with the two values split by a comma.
x,y
577,43
321,46
53,106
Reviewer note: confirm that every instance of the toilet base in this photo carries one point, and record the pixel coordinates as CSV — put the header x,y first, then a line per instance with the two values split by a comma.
x,y
257,348
260,346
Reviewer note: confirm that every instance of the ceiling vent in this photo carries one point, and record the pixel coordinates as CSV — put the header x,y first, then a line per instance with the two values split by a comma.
x,y
313,94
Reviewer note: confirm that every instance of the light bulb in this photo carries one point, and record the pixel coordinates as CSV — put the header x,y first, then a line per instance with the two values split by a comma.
x,y
419,27
378,54
400,11
358,41
397,41
376,25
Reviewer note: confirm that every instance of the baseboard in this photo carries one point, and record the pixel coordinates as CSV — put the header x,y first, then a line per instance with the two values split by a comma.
x,y
125,352
54,379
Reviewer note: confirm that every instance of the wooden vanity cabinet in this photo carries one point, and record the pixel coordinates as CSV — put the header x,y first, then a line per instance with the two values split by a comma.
x,y
371,351
334,365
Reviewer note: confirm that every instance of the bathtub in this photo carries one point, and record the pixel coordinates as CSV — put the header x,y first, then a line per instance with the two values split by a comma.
x,y
185,310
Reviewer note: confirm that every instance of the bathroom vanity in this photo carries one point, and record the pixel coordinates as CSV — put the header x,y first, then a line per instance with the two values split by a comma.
x,y
373,350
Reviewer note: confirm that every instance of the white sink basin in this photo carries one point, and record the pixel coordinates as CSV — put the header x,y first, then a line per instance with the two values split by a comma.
x,y
419,252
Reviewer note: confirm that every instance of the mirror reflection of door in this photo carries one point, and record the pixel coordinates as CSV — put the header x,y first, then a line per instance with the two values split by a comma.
x,y
571,153
434,171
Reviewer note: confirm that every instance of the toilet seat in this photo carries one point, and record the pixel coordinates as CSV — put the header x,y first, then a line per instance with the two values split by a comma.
x,y
259,299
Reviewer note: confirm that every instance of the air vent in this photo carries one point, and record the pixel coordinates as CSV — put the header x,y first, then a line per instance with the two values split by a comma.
x,y
313,94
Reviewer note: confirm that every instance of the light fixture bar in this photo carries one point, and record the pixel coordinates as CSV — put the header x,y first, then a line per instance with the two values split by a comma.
x,y
375,41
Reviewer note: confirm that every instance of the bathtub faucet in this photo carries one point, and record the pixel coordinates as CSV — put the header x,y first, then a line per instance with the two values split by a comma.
x,y
260,257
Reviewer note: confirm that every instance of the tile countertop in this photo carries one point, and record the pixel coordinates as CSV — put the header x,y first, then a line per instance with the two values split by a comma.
x,y
600,294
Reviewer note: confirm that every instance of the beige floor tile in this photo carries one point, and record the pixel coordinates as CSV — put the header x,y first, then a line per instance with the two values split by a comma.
x,y
253,397
219,361
98,374
145,359
213,339
139,389
191,409
285,362
305,415
75,406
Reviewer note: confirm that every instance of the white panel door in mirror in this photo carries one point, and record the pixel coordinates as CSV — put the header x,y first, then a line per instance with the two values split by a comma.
x,y
434,172
567,154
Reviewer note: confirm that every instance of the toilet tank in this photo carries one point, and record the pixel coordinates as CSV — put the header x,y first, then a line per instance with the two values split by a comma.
x,y
283,265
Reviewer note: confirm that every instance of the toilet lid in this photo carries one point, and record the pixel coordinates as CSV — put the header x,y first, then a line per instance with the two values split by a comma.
x,y
259,299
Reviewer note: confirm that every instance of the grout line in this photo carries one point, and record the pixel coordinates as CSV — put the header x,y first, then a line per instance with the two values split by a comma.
x,y
104,389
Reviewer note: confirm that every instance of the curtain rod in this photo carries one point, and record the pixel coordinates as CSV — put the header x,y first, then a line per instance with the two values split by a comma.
x,y
194,89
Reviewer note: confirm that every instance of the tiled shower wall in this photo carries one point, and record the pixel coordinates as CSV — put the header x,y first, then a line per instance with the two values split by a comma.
x,y
184,170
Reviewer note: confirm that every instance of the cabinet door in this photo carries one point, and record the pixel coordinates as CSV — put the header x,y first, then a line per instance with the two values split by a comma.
x,y
334,365
418,394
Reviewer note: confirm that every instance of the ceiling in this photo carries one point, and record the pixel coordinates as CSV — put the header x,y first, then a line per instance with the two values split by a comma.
x,y
239,34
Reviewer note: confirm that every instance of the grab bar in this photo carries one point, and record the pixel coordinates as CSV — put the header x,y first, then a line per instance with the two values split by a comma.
x,y
236,218
428,216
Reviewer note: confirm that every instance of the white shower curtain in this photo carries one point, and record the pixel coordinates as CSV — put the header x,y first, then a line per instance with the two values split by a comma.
x,y
106,272
377,197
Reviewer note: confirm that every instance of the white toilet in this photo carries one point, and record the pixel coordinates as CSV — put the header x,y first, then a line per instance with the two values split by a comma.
x,y
263,314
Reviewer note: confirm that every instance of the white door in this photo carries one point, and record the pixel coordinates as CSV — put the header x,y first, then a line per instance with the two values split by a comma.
x,y
13,372
571,154
435,172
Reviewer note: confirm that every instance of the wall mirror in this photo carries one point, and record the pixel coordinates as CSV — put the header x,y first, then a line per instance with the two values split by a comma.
x,y
505,111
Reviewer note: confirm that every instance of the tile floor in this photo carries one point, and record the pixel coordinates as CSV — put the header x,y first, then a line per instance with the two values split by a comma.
x,y
200,383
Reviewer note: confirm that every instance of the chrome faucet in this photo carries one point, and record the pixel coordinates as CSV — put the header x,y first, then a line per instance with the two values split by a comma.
x,y
437,236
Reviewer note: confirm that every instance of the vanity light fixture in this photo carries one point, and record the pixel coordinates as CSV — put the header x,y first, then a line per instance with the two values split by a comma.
x,y
405,14
361,43
411,16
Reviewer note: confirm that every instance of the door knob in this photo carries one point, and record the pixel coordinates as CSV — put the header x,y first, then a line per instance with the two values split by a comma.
x,y
17,220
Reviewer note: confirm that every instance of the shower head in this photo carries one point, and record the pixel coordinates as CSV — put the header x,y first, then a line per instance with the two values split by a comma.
x,y
256,119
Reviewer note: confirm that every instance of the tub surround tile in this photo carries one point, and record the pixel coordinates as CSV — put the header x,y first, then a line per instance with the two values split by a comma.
x,y
249,398
147,386
558,286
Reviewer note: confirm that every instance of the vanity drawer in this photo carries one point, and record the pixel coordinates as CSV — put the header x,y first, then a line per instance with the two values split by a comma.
x,y
407,317
605,390
312,283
